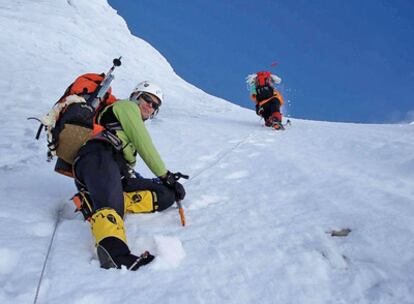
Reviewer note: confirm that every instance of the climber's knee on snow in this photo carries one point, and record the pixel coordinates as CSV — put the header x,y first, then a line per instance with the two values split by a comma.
x,y
145,195
140,201
145,201
166,198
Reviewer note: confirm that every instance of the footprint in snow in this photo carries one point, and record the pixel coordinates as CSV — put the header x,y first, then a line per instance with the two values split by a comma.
x,y
206,200
254,154
41,229
259,144
9,260
168,251
223,165
237,175
207,157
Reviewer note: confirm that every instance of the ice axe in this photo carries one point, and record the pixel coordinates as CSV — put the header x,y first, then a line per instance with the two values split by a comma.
x,y
181,213
103,87
177,176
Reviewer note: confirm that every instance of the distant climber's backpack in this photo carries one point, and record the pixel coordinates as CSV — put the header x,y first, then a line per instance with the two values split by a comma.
x,y
264,87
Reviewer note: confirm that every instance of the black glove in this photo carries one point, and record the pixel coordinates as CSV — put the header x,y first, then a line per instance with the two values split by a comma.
x,y
171,181
259,110
179,191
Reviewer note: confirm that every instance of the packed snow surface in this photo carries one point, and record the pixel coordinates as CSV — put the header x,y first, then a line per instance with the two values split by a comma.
x,y
260,207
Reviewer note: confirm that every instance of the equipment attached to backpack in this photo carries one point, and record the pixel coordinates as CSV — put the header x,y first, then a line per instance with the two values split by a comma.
x,y
264,87
261,85
71,121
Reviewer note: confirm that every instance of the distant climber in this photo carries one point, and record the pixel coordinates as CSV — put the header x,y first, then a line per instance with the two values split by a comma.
x,y
266,97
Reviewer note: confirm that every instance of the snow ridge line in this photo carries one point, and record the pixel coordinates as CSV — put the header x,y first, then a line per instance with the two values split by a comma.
x,y
39,284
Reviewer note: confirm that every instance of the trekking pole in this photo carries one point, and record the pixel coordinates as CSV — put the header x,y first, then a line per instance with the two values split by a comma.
x,y
103,87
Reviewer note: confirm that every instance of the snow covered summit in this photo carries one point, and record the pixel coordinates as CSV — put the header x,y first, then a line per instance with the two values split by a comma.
x,y
260,208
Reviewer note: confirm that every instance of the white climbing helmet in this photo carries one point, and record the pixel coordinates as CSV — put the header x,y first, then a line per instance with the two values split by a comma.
x,y
147,87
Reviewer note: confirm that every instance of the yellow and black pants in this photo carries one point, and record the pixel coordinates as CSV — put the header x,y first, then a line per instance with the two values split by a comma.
x,y
101,171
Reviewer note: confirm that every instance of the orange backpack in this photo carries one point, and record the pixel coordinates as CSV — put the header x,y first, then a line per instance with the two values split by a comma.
x,y
264,87
85,85
71,121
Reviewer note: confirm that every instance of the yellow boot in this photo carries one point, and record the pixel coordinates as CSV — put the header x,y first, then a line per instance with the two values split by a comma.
x,y
112,249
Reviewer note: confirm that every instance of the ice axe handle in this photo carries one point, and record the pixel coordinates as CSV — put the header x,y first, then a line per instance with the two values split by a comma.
x,y
176,177
179,175
117,61
95,98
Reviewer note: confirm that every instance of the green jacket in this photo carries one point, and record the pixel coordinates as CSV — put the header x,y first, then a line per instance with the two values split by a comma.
x,y
134,136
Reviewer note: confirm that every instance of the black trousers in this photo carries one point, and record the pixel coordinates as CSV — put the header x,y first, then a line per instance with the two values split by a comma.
x,y
102,171
269,108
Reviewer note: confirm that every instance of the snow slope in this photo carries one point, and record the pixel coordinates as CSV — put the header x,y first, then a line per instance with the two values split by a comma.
x,y
260,204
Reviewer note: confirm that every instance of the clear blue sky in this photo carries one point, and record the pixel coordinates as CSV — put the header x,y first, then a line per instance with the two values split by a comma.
x,y
350,61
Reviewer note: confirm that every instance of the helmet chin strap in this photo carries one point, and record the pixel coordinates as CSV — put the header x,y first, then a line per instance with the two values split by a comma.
x,y
135,97
155,113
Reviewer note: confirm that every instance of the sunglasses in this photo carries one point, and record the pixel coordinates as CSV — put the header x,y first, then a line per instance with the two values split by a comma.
x,y
148,99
